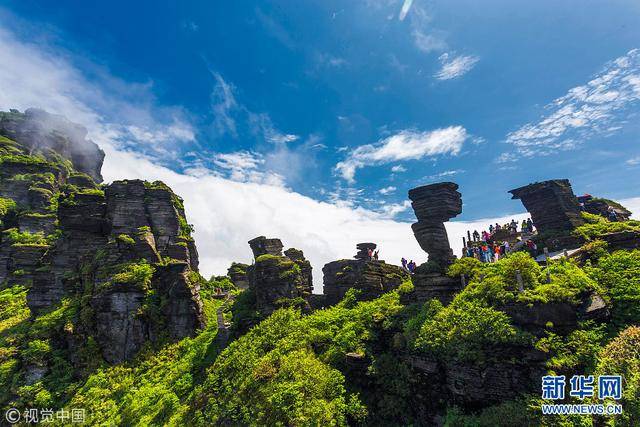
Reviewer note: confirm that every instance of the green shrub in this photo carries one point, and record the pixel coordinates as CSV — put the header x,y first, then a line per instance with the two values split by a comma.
x,y
16,237
619,274
575,352
597,226
6,205
463,330
126,239
470,267
138,274
622,357
512,413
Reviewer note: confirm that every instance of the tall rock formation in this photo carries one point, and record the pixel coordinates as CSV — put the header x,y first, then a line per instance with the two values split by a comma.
x,y
278,280
433,205
553,207
371,277
124,250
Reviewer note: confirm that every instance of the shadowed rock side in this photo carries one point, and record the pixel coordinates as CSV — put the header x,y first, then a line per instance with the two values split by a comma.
x,y
124,248
433,205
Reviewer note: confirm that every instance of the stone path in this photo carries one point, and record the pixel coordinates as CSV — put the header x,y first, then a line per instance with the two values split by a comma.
x,y
223,328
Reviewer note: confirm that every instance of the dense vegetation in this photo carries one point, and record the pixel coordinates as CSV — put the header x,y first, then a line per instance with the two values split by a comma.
x,y
294,369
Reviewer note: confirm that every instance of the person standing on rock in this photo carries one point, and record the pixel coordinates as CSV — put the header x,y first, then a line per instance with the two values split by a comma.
x,y
530,225
404,263
370,253
375,254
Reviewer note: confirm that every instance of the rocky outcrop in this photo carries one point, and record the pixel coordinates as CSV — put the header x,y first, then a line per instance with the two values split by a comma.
x,y
553,207
562,317
52,135
120,331
432,284
238,275
601,207
180,304
124,249
371,277
263,246
278,280
297,256
626,240
507,371
433,205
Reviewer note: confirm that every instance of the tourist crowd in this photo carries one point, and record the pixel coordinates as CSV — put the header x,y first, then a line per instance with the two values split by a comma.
x,y
487,248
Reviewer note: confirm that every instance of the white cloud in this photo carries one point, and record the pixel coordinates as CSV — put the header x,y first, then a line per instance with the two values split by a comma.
x,y
634,161
443,174
455,66
405,145
392,210
281,138
595,108
428,42
406,6
224,105
633,204
398,169
387,190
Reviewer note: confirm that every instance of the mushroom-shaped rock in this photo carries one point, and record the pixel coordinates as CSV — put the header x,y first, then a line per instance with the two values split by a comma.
x,y
433,205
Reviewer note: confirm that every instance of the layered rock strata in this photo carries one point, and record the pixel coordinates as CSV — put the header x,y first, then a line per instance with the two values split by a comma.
x,y
433,205
553,207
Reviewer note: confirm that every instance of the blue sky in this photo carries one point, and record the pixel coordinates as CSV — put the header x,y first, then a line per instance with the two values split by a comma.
x,y
348,103
294,88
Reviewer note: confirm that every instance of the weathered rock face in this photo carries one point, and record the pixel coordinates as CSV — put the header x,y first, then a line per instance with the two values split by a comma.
x,y
553,207
263,246
119,330
276,283
125,249
297,256
371,277
508,371
181,306
433,205
44,133
278,280
238,275
428,285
